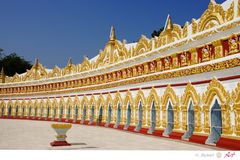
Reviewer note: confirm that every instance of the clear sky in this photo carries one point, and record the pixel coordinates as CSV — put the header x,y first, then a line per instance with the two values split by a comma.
x,y
54,30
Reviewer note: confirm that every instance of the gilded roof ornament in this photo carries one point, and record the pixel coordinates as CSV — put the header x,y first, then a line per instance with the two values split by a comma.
x,y
112,36
168,24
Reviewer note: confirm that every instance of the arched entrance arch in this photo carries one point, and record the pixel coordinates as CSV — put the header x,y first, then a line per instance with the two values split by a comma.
x,y
191,111
140,103
118,103
170,111
110,110
84,105
101,111
92,104
128,111
216,107
76,108
153,104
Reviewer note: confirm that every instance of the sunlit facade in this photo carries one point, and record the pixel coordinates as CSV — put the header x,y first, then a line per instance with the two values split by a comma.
x,y
184,84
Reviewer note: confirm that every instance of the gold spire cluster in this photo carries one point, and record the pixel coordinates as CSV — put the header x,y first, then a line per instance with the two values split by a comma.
x,y
116,51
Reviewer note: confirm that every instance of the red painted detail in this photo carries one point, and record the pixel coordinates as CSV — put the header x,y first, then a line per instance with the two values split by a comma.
x,y
93,123
86,122
198,139
102,124
158,133
125,90
143,130
60,143
134,89
176,135
111,125
121,127
105,92
147,88
231,144
131,128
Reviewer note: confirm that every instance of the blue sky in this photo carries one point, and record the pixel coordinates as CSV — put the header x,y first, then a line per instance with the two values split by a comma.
x,y
54,30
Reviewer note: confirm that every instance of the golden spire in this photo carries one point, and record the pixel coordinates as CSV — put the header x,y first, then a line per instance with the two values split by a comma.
x,y
3,75
112,36
36,63
168,24
2,72
70,61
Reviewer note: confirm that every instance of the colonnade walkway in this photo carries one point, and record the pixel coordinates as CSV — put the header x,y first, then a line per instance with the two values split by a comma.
x,y
28,134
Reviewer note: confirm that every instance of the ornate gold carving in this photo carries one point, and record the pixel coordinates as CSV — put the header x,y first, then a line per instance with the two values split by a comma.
x,y
236,109
233,44
214,15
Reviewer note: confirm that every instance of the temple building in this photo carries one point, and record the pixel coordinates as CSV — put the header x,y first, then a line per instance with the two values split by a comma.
x,y
184,84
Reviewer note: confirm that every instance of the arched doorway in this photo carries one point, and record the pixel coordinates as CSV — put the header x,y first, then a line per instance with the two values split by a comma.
x,y
16,113
153,118
139,126
92,115
170,120
216,123
2,109
76,113
118,115
35,112
129,112
84,113
54,112
109,115
68,113
9,111
100,115
60,112
48,110
29,111
190,122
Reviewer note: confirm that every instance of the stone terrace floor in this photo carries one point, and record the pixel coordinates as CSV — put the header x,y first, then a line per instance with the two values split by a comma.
x,y
27,134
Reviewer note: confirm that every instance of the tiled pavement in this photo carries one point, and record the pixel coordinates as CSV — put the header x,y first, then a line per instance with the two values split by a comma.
x,y
26,134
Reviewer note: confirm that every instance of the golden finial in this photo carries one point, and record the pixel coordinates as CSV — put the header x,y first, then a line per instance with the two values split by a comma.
x,y
36,62
112,36
2,72
168,24
70,61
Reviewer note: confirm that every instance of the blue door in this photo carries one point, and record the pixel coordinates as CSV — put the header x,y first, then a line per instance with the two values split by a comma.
x,y
61,113
16,113
9,111
118,115
216,124
76,113
153,118
170,120
139,126
54,112
68,112
109,114
128,116
100,115
92,114
190,122
29,111
47,112
84,112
